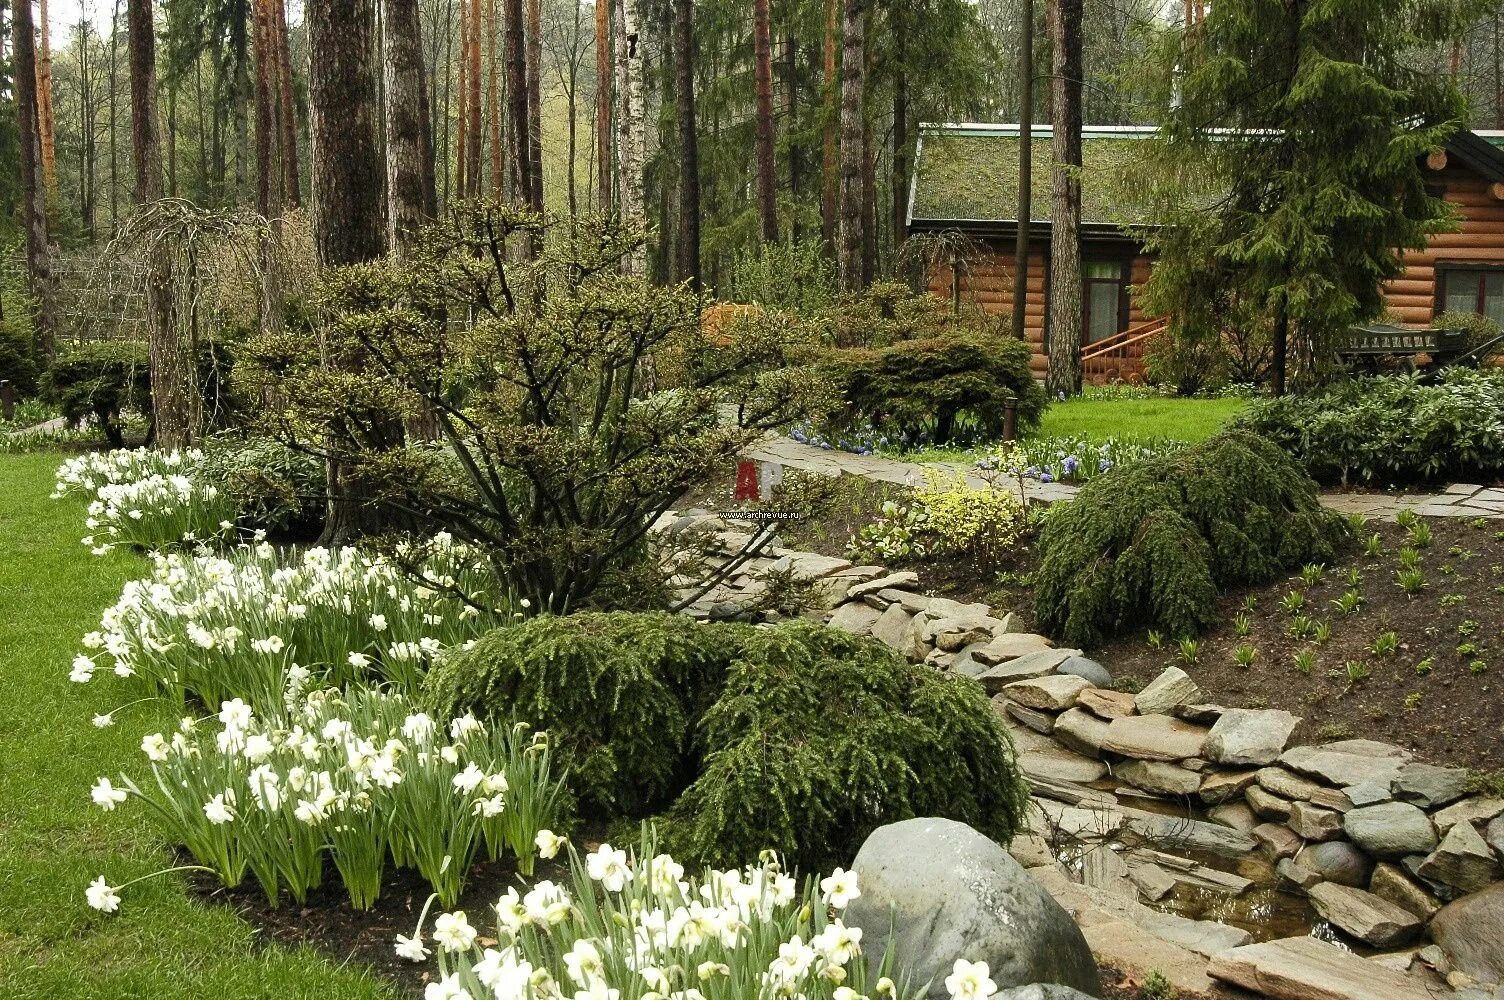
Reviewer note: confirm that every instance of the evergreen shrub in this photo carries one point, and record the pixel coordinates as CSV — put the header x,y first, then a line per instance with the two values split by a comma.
x,y
798,737
101,380
1151,545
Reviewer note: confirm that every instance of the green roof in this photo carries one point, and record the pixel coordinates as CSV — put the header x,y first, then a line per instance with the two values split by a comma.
x,y
969,173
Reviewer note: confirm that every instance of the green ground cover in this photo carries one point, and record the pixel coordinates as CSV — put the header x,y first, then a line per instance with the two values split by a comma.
x,y
53,842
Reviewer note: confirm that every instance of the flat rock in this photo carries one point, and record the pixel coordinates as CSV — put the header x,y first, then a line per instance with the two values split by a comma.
x,y
856,618
937,890
1469,931
1224,785
1061,765
1330,798
1296,873
1125,946
1338,861
1463,860
906,578
954,634
1314,823
1368,793
1075,821
1429,786
1107,704
1286,784
1200,713
1091,670
906,599
1052,693
1154,737
1234,816
1080,731
1305,968
808,565
891,626
1494,834
1350,762
1390,829
1161,695
1250,737
1267,805
1040,722
1102,868
1153,882
1277,839
1363,915
1158,777
1030,850
1391,883
1481,809
1023,668
1178,834
944,607
1016,644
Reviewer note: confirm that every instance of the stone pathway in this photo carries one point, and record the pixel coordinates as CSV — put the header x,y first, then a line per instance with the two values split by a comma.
x,y
778,453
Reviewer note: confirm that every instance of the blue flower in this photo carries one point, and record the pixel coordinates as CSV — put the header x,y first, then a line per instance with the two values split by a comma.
x,y
1071,464
1045,477
1104,465
1032,472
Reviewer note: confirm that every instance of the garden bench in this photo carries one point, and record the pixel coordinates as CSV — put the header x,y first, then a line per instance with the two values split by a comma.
x,y
1365,345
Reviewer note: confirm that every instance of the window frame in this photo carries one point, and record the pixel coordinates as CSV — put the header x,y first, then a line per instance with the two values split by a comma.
x,y
1447,270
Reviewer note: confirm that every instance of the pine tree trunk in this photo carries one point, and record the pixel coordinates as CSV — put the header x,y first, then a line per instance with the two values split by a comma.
x,y
47,122
629,69
461,103
534,67
408,159
603,104
517,104
689,151
240,96
33,194
849,235
472,105
1025,166
177,406
762,47
900,29
493,96
830,189
114,100
348,225
282,49
261,32
1065,308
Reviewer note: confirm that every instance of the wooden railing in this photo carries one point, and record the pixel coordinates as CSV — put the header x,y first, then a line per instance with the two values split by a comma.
x,y
1119,356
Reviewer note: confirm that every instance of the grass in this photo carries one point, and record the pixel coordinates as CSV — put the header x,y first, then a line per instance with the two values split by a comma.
x,y
163,943
1188,420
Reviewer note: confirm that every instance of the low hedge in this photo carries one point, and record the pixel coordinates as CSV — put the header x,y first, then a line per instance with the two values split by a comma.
x,y
798,737
101,380
930,387
1151,545
1392,427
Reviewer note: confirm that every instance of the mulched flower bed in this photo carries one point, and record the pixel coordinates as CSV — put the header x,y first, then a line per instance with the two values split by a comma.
x,y
1437,692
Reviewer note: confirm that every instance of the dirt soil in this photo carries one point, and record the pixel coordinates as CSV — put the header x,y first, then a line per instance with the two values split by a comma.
x,y
1440,691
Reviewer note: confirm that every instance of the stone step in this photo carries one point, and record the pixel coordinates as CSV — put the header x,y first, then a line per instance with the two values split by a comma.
x,y
1304,968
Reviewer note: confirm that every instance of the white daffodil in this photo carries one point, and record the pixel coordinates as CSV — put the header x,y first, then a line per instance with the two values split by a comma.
x,y
583,962
83,669
155,747
448,988
840,888
608,866
235,714
103,721
105,795
548,843
101,896
970,981
412,948
506,978
453,933
359,660
218,811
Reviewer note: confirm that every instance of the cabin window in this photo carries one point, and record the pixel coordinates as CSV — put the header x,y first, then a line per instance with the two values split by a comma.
x,y
1479,292
1104,299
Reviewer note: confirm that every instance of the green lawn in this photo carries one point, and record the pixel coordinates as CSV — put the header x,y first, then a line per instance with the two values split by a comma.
x,y
54,841
1185,419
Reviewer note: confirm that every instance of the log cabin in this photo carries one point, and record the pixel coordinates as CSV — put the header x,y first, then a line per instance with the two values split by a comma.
x,y
965,181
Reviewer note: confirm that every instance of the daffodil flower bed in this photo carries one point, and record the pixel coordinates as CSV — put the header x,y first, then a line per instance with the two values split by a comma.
x,y
362,778
635,928
150,499
244,624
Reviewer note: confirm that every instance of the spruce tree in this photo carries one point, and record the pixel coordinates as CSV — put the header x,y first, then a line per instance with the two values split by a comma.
x,y
1287,171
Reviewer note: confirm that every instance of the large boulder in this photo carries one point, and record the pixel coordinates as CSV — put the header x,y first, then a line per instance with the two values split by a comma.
x,y
1246,736
942,891
1338,861
1469,931
1463,861
1390,829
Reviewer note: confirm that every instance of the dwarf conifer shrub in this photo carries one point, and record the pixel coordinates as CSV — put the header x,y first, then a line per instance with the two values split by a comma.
x,y
1154,543
819,737
620,694
798,738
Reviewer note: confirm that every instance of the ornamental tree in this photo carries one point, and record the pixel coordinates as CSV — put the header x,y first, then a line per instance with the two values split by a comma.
x,y
553,408
1286,171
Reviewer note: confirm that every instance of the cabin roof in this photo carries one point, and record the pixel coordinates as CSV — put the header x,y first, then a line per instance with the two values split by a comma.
x,y
966,175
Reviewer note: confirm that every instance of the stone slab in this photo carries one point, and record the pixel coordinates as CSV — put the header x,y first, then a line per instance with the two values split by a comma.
x,y
1304,968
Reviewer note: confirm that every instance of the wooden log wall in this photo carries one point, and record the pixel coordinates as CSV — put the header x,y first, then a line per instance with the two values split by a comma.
x,y
1479,240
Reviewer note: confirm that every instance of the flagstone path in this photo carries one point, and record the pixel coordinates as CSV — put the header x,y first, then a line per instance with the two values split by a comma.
x,y
777,453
